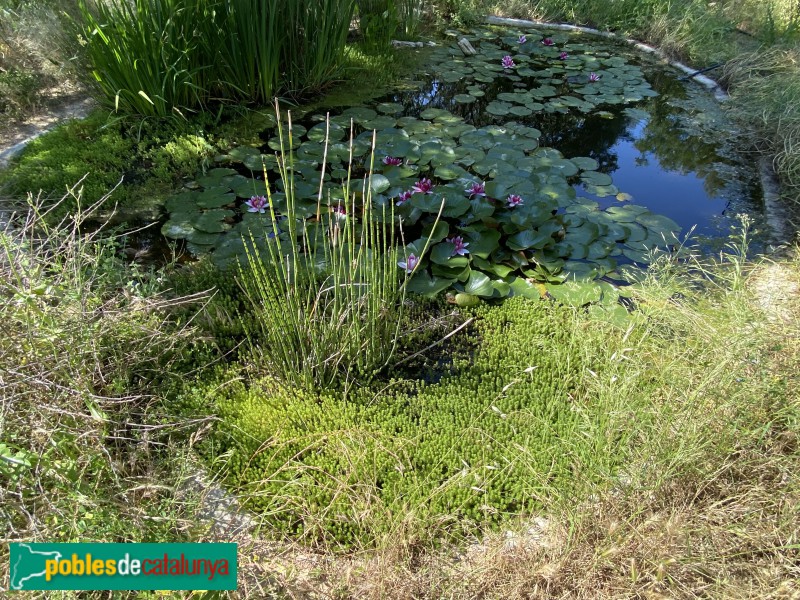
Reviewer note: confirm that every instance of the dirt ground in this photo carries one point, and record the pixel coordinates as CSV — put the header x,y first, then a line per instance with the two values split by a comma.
x,y
60,104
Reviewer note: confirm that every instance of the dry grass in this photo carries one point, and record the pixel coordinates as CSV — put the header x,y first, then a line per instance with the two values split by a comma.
x,y
84,454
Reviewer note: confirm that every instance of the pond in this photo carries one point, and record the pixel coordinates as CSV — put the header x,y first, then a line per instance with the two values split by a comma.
x,y
552,156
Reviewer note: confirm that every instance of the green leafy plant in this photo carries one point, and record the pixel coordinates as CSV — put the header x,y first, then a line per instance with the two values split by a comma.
x,y
510,212
379,21
314,52
144,57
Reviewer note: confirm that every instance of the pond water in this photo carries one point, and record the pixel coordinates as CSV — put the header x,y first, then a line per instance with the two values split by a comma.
x,y
676,153
555,157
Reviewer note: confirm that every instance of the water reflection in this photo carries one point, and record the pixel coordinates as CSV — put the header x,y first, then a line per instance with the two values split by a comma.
x,y
675,154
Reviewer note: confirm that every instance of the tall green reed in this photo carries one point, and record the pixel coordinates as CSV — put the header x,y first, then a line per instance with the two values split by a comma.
x,y
328,292
143,54
162,57
317,34
250,48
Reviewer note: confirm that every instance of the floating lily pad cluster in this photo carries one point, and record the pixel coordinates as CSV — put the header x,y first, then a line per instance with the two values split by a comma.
x,y
539,73
510,213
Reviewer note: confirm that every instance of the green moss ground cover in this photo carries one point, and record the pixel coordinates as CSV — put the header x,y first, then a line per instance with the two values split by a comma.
x,y
663,453
490,439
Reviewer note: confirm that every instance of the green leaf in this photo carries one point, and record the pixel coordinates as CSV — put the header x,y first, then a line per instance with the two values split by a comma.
x,y
426,285
436,234
575,293
529,238
484,243
379,183
442,254
520,287
466,300
479,284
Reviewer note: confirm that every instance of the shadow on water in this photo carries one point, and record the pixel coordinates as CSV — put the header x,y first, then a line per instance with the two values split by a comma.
x,y
677,154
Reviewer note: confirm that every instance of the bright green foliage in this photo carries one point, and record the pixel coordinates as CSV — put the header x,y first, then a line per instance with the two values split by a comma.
x,y
164,57
381,21
480,445
56,161
378,21
104,153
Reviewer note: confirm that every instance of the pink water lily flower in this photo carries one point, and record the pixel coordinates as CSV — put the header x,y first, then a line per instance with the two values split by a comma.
x,y
257,204
508,62
409,264
594,77
340,211
563,56
548,42
476,189
522,39
514,200
460,247
392,161
423,186
404,197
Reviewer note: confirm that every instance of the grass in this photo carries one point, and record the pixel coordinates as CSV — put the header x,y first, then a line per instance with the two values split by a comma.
x,y
172,57
35,57
327,300
680,480
85,449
